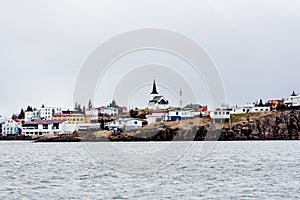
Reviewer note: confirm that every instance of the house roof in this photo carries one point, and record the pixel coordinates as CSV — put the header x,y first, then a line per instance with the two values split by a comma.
x,y
16,120
44,122
66,115
157,98
101,107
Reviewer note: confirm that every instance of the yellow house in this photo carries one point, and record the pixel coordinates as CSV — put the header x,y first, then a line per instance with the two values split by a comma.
x,y
72,118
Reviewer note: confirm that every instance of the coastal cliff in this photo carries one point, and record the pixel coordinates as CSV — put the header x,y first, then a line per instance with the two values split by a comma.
x,y
283,125
279,125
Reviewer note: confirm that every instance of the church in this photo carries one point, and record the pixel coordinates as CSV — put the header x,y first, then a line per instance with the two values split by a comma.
x,y
157,101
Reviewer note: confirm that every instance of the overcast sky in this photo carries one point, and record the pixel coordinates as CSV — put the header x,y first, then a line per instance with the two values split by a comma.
x,y
254,44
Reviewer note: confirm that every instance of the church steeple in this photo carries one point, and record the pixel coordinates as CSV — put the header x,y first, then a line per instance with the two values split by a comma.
x,y
154,91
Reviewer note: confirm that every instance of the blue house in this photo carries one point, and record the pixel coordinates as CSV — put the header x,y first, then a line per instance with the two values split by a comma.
x,y
11,127
177,115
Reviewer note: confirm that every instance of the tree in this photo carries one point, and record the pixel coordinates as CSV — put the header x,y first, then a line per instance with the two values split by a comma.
x,y
29,109
114,104
79,109
133,113
76,105
90,105
22,114
83,110
260,103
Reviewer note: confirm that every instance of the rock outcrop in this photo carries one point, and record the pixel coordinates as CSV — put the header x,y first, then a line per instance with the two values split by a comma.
x,y
283,125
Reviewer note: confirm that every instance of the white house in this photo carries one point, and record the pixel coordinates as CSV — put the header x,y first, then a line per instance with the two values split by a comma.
x,y
93,113
260,109
221,114
177,115
157,101
46,113
249,108
292,101
157,117
126,124
108,111
11,127
41,127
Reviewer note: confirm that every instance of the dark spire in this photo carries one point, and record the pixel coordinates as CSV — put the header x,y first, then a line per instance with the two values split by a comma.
x,y
294,94
154,91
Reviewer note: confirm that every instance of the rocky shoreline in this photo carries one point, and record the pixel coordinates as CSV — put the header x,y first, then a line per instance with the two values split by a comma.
x,y
281,125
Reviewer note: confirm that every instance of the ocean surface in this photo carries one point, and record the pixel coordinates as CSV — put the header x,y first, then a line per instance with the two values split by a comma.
x,y
153,170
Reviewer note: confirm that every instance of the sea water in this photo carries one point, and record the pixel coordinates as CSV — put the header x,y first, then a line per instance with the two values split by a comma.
x,y
229,170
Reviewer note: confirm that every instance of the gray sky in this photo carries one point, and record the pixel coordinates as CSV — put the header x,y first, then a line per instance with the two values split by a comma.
x,y
254,44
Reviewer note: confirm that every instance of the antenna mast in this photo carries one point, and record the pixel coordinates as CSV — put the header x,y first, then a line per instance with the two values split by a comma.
x,y
180,98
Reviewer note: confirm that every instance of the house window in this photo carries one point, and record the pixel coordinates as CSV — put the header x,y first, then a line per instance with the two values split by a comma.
x,y
227,113
244,110
176,113
135,122
216,113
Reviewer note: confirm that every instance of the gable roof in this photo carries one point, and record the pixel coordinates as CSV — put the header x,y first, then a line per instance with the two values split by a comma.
x,y
44,122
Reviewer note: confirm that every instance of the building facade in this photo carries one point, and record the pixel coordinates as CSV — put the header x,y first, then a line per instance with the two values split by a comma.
x,y
46,113
250,108
157,117
127,124
72,118
93,113
221,114
108,111
12,127
42,127
292,101
177,115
